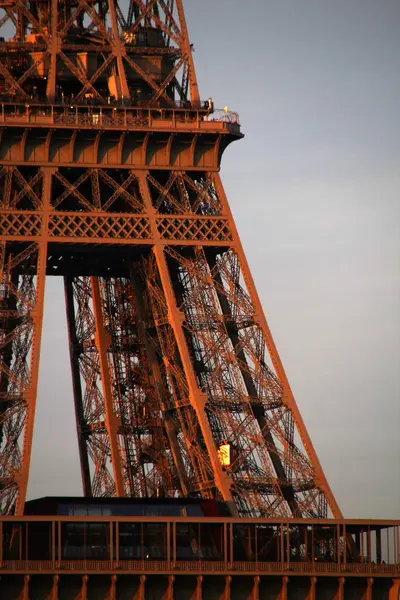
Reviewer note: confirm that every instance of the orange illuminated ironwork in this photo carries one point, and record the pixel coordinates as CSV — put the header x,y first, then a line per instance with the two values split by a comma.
x,y
109,177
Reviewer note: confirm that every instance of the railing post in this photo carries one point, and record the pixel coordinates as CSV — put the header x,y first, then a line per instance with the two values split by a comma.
x,y
117,542
53,543
344,546
225,546
26,541
369,545
59,542
173,544
230,546
111,553
169,544
287,543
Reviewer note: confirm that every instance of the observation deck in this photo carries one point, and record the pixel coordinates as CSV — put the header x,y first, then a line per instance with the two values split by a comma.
x,y
123,136
168,556
119,116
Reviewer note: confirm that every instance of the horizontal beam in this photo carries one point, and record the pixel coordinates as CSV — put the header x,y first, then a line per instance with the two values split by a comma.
x,y
361,523
97,567
114,228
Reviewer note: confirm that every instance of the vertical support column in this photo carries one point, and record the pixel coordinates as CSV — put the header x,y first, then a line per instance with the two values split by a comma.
x,y
76,387
25,590
169,595
59,546
54,589
378,546
119,52
197,397
53,47
198,591
367,595
394,590
157,379
103,342
227,589
340,591
140,594
112,592
312,594
255,592
37,318
83,590
289,399
283,592
194,89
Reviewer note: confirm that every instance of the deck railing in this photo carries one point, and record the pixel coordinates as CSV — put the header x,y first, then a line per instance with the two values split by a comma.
x,y
198,545
116,117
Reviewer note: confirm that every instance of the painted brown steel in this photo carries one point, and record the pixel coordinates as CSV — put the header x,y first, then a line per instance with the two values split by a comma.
x,y
321,480
109,177
103,342
77,387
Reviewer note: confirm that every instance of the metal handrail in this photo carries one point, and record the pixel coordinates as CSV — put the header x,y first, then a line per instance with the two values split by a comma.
x,y
111,116
149,565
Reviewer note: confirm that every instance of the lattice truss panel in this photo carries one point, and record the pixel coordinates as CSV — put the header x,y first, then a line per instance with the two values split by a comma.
x,y
184,193
271,474
189,205
120,427
139,50
92,190
18,300
177,405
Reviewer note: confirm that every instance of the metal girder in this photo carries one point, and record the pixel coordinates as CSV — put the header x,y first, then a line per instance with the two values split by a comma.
x,y
171,356
54,31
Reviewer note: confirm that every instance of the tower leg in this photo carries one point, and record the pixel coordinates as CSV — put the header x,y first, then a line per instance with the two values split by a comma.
x,y
394,592
288,397
76,386
23,276
103,342
157,379
198,399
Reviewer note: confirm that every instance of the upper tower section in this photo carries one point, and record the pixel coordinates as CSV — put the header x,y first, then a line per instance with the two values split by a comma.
x,y
105,65
98,51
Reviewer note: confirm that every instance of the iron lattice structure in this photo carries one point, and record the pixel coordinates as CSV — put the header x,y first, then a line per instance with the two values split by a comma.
x,y
110,178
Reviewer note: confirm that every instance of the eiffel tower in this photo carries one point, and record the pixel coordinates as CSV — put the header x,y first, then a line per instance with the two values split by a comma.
x,y
110,179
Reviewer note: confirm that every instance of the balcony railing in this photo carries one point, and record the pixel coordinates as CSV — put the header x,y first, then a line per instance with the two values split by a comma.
x,y
117,117
194,545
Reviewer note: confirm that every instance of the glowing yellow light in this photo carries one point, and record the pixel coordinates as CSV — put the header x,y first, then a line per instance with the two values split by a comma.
x,y
224,454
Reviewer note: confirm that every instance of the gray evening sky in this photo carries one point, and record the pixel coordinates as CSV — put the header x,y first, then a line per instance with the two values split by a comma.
x,y
314,188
